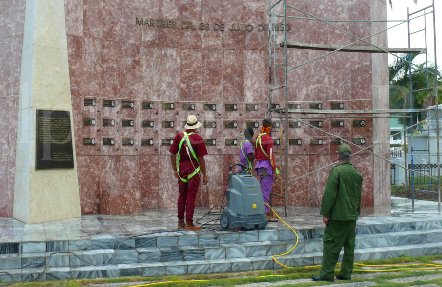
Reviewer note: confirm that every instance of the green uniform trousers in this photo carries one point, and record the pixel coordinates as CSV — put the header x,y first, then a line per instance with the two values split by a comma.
x,y
338,234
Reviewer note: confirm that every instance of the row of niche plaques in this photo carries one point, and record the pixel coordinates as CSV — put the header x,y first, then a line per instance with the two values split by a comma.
x,y
128,104
213,142
107,122
249,107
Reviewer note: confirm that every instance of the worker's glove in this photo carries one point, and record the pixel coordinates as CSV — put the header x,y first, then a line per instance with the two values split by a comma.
x,y
277,171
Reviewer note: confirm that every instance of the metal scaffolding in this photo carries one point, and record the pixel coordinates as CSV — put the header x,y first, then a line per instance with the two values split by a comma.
x,y
280,12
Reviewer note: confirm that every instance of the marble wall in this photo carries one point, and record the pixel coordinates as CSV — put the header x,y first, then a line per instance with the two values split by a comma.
x,y
113,59
12,14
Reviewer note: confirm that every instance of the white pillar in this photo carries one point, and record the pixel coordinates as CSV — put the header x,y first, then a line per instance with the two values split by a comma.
x,y
50,194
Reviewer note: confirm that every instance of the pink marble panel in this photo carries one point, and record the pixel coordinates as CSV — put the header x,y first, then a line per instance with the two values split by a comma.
x,y
88,169
191,11
110,174
16,17
168,188
233,14
255,15
92,67
228,161
130,71
13,123
130,31
233,76
93,18
128,167
15,64
4,126
217,197
191,75
121,202
255,76
167,87
319,168
212,75
112,23
211,13
6,194
75,52
298,180
150,197
74,17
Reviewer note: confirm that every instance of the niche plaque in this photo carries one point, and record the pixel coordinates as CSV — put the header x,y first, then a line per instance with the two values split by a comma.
x,y
88,122
295,141
210,107
337,106
252,107
166,142
146,142
337,141
210,142
210,124
359,141
318,124
274,106
316,106
127,123
108,122
127,142
109,103
337,124
230,124
317,142
147,106
127,104
88,141
231,107
276,142
359,123
90,102
294,106
231,142
276,124
294,124
252,125
188,107
108,141
168,106
168,124
53,140
147,124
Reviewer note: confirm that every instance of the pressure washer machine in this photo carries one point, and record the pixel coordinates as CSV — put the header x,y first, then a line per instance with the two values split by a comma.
x,y
245,205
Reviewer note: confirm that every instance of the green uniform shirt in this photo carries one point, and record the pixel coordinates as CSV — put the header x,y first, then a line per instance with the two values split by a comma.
x,y
342,195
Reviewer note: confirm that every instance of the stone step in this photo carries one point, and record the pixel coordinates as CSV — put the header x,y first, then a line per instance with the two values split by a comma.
x,y
209,266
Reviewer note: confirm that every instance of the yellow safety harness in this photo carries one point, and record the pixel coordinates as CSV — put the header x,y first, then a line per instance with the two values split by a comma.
x,y
192,152
249,163
259,141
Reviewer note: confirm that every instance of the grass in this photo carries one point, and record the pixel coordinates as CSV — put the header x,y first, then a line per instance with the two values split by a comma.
x,y
294,273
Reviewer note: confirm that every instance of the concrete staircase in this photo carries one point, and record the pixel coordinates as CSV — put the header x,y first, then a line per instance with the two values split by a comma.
x,y
182,252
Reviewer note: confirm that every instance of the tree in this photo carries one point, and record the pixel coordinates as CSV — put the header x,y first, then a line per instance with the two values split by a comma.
x,y
403,74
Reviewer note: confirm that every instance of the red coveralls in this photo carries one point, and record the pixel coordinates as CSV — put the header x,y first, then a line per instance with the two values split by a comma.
x,y
189,189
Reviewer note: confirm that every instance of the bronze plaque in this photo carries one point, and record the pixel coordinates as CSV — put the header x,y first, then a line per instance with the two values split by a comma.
x,y
127,142
210,124
53,140
294,106
252,107
166,142
276,142
146,142
88,122
88,141
276,125
295,141
231,107
274,106
168,124
210,142
318,124
316,106
252,125
127,104
231,142
168,106
337,106
359,141
359,123
230,124
147,106
337,141
108,141
188,107
90,102
210,107
337,124
147,124
294,124
317,141
127,123
108,122
109,103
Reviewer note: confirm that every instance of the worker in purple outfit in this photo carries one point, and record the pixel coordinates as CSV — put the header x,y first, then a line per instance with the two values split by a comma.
x,y
246,152
265,164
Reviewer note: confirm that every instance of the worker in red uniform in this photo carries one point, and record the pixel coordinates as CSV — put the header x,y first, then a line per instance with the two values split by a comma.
x,y
265,163
187,157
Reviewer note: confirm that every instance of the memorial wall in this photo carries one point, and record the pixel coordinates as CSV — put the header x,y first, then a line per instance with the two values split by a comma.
x,y
138,68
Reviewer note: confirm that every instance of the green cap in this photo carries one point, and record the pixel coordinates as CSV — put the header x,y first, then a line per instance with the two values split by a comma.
x,y
343,148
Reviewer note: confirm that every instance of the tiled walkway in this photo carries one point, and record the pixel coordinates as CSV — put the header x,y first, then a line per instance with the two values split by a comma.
x,y
103,226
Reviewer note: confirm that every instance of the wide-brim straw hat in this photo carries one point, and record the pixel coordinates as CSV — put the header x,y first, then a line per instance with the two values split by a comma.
x,y
192,123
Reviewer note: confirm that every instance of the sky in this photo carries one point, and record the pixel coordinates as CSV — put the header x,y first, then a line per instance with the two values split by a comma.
x,y
398,36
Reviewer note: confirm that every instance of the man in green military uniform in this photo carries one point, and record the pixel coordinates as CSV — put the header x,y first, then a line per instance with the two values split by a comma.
x,y
340,208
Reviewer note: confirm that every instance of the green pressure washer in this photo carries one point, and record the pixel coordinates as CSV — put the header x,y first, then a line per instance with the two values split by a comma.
x,y
245,205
